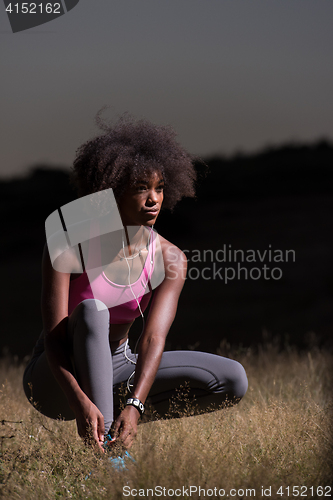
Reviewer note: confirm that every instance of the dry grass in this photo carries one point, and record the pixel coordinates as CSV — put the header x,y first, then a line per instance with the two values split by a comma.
x,y
279,435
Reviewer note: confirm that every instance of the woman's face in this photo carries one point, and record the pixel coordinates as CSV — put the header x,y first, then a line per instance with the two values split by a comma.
x,y
142,202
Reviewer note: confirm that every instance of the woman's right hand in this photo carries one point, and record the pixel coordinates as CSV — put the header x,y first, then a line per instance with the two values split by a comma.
x,y
55,296
89,422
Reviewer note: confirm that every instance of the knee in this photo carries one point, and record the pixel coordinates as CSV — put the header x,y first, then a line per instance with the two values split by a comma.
x,y
92,305
238,382
92,312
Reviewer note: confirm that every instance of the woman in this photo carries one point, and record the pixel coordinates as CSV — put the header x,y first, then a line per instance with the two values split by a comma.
x,y
82,356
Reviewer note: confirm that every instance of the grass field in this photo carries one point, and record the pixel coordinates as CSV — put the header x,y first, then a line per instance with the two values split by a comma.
x,y
280,435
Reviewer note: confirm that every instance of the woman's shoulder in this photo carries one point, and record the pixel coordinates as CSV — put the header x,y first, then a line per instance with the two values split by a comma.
x,y
171,253
65,261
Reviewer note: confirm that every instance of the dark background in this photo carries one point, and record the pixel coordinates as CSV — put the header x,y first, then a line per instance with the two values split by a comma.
x,y
280,197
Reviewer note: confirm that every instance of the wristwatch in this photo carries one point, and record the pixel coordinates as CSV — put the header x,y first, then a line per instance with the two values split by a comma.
x,y
136,403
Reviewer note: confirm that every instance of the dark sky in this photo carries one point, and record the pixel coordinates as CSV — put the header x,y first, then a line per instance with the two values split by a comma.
x,y
228,75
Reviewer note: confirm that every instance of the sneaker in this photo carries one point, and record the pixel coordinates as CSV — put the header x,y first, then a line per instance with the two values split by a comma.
x,y
118,462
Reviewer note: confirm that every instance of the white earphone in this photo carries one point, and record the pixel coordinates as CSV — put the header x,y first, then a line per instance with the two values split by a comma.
x,y
129,385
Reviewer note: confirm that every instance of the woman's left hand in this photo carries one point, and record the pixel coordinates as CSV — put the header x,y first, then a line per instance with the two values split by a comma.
x,y
125,426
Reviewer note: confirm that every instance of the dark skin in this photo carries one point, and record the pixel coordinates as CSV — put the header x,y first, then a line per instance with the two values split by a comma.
x,y
140,205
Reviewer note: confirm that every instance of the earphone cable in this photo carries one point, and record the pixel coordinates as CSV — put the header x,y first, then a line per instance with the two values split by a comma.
x,y
129,385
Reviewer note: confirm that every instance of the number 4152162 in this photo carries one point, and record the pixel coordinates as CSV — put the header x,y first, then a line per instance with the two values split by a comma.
x,y
34,8
305,491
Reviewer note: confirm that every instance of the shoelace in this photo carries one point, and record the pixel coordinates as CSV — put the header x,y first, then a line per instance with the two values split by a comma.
x,y
119,462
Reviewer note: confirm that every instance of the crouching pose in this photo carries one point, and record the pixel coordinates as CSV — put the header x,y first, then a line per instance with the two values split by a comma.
x,y
90,303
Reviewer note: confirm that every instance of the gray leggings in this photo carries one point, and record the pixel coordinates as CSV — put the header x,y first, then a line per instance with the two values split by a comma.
x,y
211,379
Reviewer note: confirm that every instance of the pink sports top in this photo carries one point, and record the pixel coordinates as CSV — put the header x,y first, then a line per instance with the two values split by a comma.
x,y
98,286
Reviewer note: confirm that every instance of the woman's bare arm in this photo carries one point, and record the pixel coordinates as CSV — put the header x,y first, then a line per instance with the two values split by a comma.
x,y
54,304
162,313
